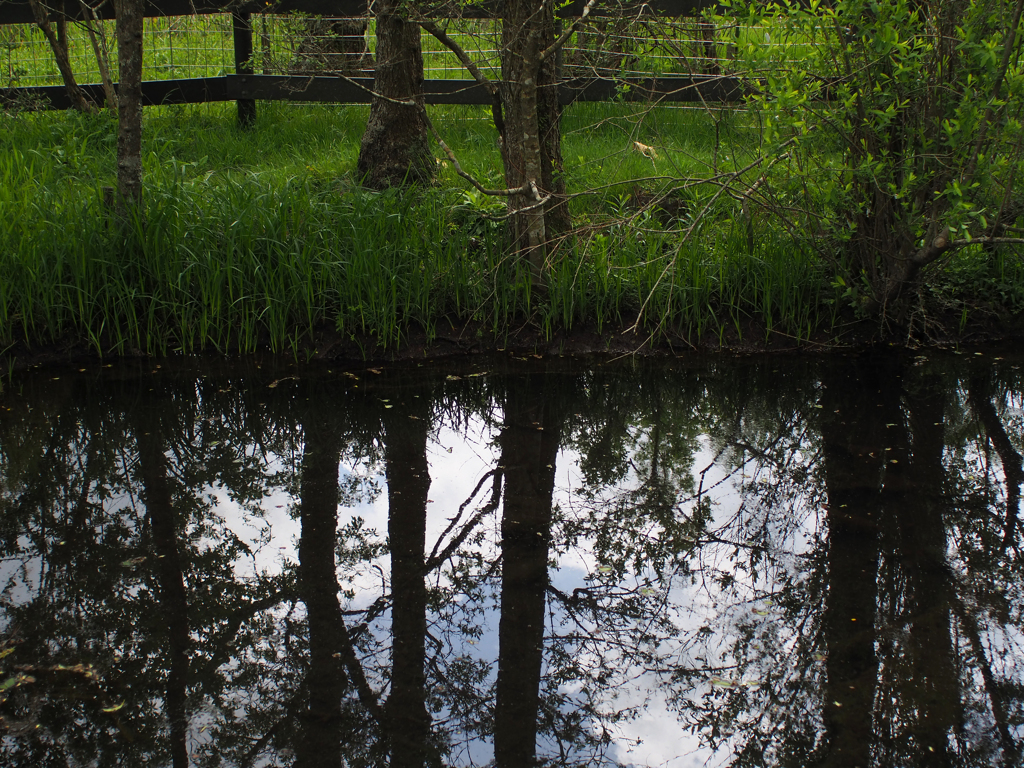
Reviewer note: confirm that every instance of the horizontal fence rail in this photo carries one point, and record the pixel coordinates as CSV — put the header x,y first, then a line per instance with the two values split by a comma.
x,y
321,51
201,90
20,12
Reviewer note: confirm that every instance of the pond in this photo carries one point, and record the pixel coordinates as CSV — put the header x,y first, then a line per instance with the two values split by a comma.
x,y
513,562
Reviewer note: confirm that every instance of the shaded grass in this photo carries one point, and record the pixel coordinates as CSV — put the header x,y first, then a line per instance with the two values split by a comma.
x,y
262,238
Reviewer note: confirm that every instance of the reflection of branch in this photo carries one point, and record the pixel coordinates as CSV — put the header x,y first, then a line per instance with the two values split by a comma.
x,y
436,558
355,671
1012,461
998,710
580,598
222,643
254,751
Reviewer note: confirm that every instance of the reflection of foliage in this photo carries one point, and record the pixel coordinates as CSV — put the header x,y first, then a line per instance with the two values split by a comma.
x,y
692,562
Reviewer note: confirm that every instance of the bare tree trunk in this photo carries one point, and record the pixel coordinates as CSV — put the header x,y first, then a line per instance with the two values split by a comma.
x,y
395,149
129,116
531,144
333,45
58,44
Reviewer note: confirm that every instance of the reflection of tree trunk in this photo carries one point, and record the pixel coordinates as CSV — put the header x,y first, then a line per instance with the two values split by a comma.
x,y
996,696
320,744
919,509
163,527
408,484
1013,465
853,434
922,666
529,445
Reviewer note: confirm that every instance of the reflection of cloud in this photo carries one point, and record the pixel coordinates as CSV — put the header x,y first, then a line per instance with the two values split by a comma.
x,y
657,738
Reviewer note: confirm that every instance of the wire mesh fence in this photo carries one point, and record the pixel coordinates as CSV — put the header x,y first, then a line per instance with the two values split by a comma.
x,y
180,47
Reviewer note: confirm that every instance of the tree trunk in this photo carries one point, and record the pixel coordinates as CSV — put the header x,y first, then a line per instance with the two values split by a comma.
x,y
129,94
58,44
332,45
532,141
395,148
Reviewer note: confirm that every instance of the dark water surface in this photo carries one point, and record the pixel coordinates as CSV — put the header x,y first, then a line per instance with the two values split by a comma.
x,y
780,562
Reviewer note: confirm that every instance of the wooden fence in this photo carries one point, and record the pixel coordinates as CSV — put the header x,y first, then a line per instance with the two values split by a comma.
x,y
246,87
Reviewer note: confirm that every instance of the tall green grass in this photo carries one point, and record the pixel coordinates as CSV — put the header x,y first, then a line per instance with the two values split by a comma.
x,y
262,238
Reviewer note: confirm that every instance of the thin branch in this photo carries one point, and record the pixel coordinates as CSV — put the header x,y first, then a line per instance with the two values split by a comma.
x,y
78,98
987,241
562,38
458,169
723,186
357,84
99,47
443,38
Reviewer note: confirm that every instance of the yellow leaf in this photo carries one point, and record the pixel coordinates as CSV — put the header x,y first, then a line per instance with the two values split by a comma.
x,y
646,150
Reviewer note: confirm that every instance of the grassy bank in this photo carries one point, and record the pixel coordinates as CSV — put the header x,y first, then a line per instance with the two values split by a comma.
x,y
262,238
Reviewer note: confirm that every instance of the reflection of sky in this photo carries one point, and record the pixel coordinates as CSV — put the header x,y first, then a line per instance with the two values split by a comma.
x,y
458,459
20,576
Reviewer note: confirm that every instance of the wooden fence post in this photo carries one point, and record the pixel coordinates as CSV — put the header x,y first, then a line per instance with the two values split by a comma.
x,y
242,28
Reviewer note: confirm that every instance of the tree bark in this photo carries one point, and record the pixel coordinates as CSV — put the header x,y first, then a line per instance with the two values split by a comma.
x,y
395,148
531,144
58,44
333,45
129,95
